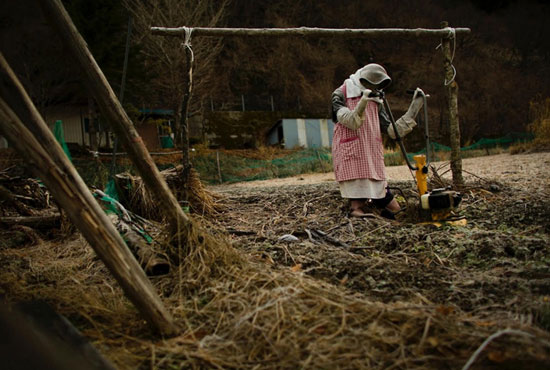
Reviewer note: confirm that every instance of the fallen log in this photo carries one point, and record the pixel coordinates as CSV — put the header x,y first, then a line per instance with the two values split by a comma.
x,y
152,262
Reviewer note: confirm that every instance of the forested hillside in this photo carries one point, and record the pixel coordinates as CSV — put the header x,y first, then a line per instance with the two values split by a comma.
x,y
502,65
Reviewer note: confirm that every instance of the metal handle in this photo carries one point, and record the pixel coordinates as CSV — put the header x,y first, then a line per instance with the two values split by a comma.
x,y
398,137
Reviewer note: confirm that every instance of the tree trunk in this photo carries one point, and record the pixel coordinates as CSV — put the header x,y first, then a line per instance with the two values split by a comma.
x,y
51,165
451,88
177,125
56,14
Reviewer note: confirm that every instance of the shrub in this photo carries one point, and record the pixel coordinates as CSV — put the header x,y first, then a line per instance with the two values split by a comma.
x,y
539,111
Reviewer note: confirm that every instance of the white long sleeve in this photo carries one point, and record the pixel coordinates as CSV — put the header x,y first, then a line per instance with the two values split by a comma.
x,y
353,119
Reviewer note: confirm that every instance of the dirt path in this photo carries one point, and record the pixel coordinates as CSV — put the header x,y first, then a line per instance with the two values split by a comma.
x,y
534,167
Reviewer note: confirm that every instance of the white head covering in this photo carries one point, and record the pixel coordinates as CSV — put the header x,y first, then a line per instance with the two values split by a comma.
x,y
374,73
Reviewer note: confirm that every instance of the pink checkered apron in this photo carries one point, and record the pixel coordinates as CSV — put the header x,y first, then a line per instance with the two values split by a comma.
x,y
359,154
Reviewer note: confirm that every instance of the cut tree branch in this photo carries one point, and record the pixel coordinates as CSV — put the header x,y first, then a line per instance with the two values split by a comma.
x,y
308,32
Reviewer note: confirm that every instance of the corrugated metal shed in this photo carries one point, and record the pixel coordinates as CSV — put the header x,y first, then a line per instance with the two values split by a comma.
x,y
302,132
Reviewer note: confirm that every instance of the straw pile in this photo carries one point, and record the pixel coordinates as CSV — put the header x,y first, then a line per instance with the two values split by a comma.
x,y
135,196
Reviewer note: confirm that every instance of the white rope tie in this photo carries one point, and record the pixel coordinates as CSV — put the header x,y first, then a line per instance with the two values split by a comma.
x,y
187,41
451,35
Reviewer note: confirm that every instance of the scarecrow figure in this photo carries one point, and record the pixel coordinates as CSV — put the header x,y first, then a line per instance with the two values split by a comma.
x,y
357,147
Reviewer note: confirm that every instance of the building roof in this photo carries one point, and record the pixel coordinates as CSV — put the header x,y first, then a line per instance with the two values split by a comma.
x,y
158,112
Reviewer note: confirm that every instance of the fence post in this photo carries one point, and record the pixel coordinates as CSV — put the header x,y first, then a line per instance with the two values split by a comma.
x,y
219,168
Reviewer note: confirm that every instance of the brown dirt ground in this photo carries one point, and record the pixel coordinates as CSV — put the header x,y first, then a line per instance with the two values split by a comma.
x,y
496,265
466,281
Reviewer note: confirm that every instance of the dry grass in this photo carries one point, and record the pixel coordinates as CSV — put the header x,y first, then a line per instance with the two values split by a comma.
x,y
237,310
135,196
241,313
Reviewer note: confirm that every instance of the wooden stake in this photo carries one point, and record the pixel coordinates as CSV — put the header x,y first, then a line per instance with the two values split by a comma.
x,y
185,146
48,161
451,87
219,168
58,17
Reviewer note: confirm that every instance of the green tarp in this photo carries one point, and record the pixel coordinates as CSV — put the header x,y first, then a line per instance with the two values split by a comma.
x,y
60,137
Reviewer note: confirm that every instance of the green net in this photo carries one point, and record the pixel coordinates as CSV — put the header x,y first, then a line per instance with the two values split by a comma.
x,y
60,137
111,205
110,189
229,166
481,144
504,141
224,166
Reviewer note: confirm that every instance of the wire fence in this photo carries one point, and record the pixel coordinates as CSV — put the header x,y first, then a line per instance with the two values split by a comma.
x,y
251,102
230,166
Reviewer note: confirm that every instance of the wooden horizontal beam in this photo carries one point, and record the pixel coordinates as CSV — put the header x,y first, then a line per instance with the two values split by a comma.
x,y
310,32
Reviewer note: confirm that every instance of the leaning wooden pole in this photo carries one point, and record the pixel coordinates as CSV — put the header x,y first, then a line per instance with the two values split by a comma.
x,y
35,142
60,20
451,87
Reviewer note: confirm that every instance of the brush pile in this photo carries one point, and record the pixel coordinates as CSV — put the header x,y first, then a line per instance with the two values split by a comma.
x,y
26,208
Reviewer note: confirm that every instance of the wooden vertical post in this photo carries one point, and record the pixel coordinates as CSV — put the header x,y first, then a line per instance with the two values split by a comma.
x,y
35,142
111,108
451,87
185,146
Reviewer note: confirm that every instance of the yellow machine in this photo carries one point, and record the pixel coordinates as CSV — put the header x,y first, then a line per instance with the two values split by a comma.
x,y
439,202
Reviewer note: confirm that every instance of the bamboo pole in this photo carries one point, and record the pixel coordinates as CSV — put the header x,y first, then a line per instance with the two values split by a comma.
x,y
110,106
35,142
451,90
306,32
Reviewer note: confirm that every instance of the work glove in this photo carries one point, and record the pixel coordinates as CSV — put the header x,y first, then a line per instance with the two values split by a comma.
x,y
353,119
369,96
406,123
